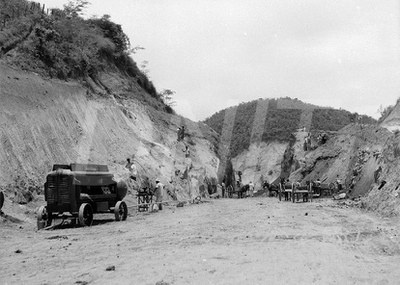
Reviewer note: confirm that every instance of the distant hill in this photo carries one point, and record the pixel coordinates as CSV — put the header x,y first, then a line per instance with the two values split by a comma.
x,y
282,118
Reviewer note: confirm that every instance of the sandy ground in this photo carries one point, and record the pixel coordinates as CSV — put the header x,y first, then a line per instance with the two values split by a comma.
x,y
228,241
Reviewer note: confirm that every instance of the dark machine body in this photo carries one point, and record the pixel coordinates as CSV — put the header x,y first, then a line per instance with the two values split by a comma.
x,y
79,190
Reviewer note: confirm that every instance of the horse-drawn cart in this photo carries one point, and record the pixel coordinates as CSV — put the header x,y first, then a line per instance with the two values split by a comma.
x,y
240,191
322,189
286,191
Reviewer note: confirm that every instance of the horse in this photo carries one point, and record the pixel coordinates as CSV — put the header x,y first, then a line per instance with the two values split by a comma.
x,y
243,191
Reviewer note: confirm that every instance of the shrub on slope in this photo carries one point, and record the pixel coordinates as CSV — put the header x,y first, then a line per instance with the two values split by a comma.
x,y
64,46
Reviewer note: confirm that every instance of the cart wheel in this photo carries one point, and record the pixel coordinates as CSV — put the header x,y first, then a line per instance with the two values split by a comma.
x,y
120,211
85,215
44,218
1,199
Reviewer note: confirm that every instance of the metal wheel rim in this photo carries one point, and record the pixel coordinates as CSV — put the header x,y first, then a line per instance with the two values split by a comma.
x,y
121,210
87,215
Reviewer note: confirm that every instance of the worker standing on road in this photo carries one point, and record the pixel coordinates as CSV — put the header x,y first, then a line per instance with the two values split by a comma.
x,y
223,187
251,189
159,193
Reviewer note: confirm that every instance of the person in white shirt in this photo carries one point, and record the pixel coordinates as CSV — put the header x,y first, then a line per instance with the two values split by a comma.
x,y
251,189
132,169
159,193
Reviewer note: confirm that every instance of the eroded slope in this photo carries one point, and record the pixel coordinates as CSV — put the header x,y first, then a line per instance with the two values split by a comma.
x,y
45,121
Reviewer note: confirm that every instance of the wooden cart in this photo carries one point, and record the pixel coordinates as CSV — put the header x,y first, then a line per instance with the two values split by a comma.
x,y
285,190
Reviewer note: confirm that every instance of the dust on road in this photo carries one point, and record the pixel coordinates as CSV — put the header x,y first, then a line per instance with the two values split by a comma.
x,y
229,241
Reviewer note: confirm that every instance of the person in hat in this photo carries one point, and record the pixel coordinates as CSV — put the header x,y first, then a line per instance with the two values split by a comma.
x,y
159,193
251,189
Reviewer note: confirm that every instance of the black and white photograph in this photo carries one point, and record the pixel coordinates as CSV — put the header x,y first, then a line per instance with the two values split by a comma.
x,y
174,142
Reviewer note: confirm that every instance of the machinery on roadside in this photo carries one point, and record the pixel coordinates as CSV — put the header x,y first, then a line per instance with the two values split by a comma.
x,y
77,191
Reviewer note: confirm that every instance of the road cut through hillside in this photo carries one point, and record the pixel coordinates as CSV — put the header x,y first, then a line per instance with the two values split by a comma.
x,y
228,241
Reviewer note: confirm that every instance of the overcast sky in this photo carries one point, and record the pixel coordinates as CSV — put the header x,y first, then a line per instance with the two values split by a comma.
x,y
218,53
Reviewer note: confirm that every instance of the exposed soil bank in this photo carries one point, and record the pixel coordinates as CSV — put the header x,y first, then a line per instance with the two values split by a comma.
x,y
45,122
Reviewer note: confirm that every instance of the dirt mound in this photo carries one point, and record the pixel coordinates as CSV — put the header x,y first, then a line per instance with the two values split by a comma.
x,y
350,155
365,158
44,121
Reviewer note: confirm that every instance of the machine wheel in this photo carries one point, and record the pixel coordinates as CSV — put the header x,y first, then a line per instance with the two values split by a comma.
x,y
44,218
120,211
1,200
85,215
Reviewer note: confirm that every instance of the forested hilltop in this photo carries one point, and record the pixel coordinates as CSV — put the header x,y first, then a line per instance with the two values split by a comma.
x,y
282,117
59,43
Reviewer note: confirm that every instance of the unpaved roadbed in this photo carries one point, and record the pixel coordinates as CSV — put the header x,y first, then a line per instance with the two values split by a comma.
x,y
230,241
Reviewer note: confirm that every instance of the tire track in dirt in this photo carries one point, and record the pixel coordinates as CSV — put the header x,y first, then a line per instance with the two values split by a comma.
x,y
227,241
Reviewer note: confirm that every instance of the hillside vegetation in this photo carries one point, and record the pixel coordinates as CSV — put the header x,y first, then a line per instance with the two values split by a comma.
x,y
283,117
58,43
71,93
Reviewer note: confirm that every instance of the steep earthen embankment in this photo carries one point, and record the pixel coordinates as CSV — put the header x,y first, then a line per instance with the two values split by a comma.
x,y
261,162
384,196
351,155
44,121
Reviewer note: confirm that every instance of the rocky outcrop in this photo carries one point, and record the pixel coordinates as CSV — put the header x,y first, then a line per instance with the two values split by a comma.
x,y
351,155
262,162
392,121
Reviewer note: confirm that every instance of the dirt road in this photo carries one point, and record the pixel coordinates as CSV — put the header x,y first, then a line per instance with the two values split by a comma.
x,y
230,241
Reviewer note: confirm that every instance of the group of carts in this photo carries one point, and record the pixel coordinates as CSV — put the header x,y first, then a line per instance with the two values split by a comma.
x,y
75,192
293,191
288,191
